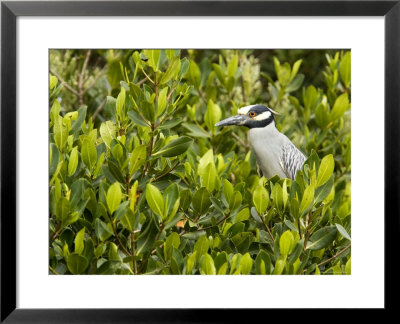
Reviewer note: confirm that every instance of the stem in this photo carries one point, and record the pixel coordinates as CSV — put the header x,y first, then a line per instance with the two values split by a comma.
x,y
148,78
134,253
81,75
165,173
308,229
267,227
299,226
335,256
152,252
55,233
216,224
149,151
119,240
98,110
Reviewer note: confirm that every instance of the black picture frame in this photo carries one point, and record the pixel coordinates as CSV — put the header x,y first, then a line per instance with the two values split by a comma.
x,y
10,10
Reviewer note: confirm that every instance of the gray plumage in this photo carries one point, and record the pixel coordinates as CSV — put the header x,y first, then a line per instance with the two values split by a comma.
x,y
275,153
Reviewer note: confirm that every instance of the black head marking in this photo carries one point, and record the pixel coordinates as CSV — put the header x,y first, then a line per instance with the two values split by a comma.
x,y
256,119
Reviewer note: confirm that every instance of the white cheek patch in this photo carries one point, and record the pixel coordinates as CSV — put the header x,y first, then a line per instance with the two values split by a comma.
x,y
245,110
265,115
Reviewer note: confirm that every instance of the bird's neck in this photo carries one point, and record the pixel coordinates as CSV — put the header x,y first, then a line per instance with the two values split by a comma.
x,y
269,130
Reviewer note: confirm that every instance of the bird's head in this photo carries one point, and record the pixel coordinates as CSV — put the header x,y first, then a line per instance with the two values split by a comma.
x,y
254,116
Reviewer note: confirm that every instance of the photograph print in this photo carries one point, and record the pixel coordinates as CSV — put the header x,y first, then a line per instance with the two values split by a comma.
x,y
200,161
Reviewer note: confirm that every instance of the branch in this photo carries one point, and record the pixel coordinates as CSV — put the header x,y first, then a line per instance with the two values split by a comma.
x,y
99,109
165,173
81,75
66,85
93,83
335,256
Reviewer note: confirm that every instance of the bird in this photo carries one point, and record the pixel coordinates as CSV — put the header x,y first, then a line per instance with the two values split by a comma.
x,y
275,153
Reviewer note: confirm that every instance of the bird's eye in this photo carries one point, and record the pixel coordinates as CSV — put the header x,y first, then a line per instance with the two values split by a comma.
x,y
252,114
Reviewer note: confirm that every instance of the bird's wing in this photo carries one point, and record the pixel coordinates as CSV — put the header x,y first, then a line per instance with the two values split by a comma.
x,y
291,160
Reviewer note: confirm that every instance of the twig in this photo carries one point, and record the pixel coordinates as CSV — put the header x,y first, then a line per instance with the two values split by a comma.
x,y
335,256
99,109
66,85
148,256
165,173
307,230
81,75
93,83
245,145
119,240
216,224
133,252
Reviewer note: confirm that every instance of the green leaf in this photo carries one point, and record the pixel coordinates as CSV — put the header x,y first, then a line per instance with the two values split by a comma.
x,y
279,267
207,265
193,74
228,191
295,69
243,215
285,243
322,192
103,232
89,154
263,263
173,241
147,238
107,132
295,84
79,246
195,130
155,199
343,231
136,118
60,133
77,192
175,147
81,118
201,247
120,104
260,199
162,101
345,69
62,209
55,111
325,169
53,81
171,199
298,248
54,158
339,108
208,177
73,161
154,58
348,267
114,196
246,264
170,123
212,116
233,65
322,238
172,71
76,263
307,200
138,158
201,200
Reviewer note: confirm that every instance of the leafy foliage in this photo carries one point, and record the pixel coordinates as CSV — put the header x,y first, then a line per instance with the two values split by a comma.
x,y
142,182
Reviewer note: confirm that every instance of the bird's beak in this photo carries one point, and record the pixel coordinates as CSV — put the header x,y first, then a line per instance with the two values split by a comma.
x,y
234,120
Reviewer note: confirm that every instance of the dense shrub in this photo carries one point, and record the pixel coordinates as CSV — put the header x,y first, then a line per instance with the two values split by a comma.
x,y
141,181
